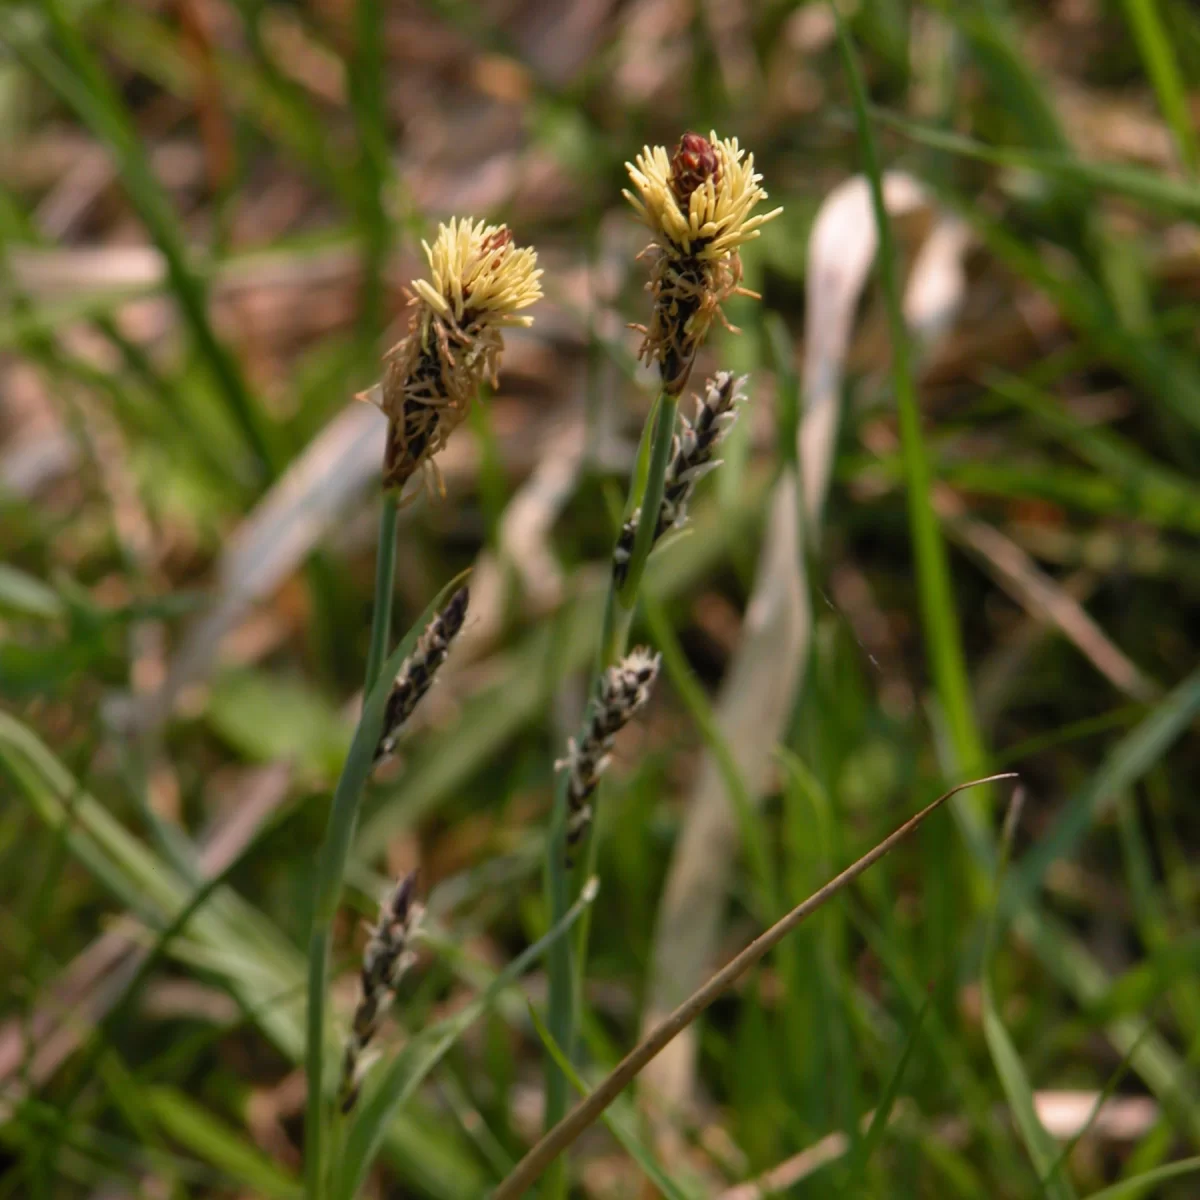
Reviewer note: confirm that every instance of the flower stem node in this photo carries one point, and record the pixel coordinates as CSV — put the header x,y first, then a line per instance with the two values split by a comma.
x,y
698,204
479,281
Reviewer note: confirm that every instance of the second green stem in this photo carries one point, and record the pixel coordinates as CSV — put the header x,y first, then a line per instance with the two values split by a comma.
x,y
565,975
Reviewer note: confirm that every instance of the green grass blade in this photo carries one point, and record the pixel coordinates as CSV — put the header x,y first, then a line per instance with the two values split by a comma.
x,y
1163,69
81,82
1157,192
1141,1185
1041,1147
1164,373
648,497
872,1139
424,1052
214,1142
385,573
630,1143
22,595
938,615
1132,757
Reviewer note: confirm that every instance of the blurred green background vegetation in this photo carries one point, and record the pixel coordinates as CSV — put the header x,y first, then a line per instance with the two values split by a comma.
x,y
209,210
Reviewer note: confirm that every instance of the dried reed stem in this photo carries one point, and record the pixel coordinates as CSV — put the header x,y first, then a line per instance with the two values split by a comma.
x,y
554,1142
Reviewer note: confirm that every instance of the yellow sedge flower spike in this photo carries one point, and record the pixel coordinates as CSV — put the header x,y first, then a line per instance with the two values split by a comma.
x,y
478,283
698,203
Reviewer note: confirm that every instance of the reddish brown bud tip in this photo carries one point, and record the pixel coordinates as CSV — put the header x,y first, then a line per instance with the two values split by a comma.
x,y
695,160
498,240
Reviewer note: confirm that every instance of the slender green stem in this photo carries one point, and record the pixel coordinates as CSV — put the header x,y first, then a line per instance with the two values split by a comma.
x,y
335,848
938,611
650,502
565,965
1162,67
314,1119
560,1016
385,571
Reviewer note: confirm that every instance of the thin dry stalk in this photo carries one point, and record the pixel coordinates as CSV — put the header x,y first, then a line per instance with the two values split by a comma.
x,y
530,1168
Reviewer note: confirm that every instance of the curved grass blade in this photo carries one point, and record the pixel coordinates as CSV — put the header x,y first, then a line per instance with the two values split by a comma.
x,y
629,1142
1140,1185
78,78
1040,1146
1155,191
883,1110
424,1053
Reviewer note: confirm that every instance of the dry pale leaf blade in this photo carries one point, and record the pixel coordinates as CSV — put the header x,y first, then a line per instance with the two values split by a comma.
x,y
313,496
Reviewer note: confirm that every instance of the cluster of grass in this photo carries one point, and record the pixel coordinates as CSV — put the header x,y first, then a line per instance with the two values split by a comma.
x,y
915,1037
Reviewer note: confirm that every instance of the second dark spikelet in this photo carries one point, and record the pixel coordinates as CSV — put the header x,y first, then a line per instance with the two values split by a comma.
x,y
692,457
418,669
623,690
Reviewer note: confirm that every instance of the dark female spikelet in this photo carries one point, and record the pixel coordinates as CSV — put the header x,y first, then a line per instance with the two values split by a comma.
x,y
623,690
417,671
387,957
692,457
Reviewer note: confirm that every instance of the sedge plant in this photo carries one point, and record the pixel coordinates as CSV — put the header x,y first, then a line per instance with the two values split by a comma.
x,y
698,203
479,281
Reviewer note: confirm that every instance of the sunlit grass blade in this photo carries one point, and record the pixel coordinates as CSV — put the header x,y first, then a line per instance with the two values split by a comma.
x,y
1163,70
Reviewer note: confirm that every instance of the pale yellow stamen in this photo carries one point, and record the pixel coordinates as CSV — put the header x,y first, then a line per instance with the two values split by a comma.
x,y
477,272
717,219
